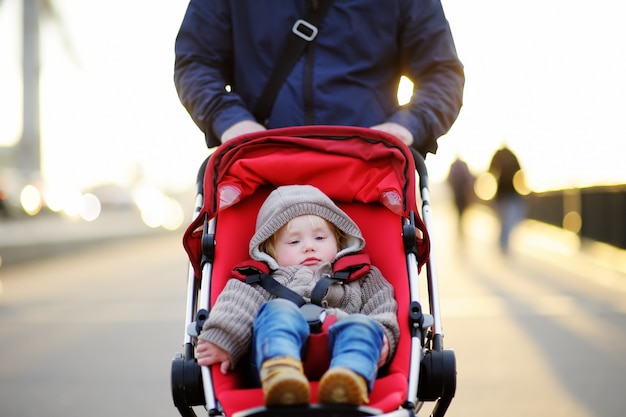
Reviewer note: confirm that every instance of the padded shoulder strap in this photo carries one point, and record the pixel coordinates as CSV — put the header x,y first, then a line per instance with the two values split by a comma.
x,y
249,267
346,269
257,272
352,267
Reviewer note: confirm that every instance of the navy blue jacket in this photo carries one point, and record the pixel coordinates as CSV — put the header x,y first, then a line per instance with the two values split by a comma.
x,y
349,77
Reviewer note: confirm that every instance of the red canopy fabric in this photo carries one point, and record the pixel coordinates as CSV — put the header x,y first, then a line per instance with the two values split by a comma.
x,y
349,164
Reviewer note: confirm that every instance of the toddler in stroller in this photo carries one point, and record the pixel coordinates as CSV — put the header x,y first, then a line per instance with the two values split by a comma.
x,y
300,233
369,177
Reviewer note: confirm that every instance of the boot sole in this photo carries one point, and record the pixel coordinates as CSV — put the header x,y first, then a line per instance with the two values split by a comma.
x,y
342,386
288,391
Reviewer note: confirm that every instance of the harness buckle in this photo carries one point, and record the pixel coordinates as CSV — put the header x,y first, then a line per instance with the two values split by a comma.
x,y
305,30
314,315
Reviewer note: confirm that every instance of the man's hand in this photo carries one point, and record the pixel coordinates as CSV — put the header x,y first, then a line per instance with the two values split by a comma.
x,y
208,353
396,130
241,128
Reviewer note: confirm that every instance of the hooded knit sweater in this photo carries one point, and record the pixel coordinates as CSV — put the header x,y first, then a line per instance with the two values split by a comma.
x,y
231,320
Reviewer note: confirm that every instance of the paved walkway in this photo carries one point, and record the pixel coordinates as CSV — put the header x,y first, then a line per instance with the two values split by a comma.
x,y
556,246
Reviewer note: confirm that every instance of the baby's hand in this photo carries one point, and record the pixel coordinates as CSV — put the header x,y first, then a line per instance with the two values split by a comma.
x,y
209,353
384,352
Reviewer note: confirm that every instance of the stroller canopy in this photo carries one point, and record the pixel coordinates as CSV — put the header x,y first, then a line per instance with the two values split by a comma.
x,y
350,164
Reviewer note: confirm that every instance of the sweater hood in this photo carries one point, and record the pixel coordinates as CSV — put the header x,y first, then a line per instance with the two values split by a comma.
x,y
288,202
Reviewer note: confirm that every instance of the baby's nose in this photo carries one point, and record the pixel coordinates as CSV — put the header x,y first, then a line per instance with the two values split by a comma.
x,y
309,246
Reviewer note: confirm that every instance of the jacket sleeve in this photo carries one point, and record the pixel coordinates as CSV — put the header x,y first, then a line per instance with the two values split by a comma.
x,y
231,319
430,60
380,304
203,68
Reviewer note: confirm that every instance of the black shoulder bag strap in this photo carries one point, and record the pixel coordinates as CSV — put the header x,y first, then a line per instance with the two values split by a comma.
x,y
303,32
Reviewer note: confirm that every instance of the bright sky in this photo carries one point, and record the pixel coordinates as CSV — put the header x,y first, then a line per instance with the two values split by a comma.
x,y
546,77
112,111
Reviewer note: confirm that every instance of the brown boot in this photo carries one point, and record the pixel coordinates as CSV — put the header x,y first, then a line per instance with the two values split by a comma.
x,y
342,386
283,382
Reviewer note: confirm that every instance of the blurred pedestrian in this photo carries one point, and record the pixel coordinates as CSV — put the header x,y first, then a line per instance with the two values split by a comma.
x,y
346,73
4,209
461,182
510,204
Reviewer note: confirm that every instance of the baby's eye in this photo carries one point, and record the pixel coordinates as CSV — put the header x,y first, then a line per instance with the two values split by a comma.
x,y
293,242
320,238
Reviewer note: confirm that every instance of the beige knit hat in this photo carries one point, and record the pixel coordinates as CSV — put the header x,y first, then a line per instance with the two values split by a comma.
x,y
290,201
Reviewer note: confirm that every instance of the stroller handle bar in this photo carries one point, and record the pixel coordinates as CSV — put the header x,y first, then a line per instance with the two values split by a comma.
x,y
420,166
200,177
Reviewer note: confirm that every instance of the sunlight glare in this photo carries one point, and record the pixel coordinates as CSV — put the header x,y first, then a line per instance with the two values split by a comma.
x,y
572,221
157,209
485,186
174,215
405,90
519,183
91,207
56,198
31,200
72,204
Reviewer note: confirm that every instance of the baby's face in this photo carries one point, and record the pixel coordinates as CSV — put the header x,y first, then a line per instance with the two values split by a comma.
x,y
306,242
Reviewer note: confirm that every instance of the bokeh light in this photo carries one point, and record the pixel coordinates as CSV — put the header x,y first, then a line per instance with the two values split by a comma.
x,y
405,90
519,183
30,199
572,221
485,186
91,207
157,209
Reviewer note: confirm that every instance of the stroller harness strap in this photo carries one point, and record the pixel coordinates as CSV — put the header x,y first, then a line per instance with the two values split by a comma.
x,y
313,313
271,285
256,272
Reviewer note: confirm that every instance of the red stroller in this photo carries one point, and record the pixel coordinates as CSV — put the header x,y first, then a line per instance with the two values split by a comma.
x,y
372,177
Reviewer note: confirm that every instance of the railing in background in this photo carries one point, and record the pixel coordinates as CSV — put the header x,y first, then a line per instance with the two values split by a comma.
x,y
597,213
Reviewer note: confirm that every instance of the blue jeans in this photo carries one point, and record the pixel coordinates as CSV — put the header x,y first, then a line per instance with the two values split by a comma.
x,y
355,342
511,211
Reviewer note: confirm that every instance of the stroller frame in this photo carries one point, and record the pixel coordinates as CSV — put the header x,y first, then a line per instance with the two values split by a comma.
x,y
432,373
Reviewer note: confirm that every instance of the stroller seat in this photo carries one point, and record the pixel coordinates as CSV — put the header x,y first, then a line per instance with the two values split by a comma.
x,y
371,176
